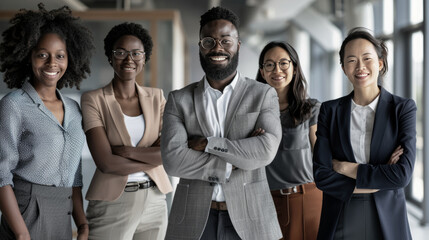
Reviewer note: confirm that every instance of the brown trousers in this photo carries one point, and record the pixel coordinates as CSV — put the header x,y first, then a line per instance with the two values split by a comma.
x,y
299,212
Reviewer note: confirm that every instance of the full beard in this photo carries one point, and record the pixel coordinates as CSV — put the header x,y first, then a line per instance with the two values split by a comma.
x,y
216,72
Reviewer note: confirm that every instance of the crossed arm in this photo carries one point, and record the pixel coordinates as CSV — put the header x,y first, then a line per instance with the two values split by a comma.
x,y
350,169
185,157
341,179
120,160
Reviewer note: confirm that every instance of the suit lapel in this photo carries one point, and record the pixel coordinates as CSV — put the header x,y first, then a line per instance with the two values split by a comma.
x,y
116,113
381,118
200,111
237,96
343,122
146,104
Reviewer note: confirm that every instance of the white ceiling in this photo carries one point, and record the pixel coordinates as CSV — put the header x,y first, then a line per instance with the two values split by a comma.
x,y
258,17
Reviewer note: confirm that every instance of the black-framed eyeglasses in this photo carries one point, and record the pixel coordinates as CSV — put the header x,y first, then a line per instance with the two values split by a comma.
x,y
121,54
269,65
209,42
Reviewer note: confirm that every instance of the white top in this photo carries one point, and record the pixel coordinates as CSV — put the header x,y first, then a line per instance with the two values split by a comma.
x,y
136,127
216,105
361,127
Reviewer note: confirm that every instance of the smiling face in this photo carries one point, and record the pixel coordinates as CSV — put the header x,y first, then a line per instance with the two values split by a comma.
x,y
278,78
127,69
49,61
219,63
361,64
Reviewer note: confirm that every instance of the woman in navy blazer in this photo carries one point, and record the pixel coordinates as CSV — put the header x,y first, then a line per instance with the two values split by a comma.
x,y
365,150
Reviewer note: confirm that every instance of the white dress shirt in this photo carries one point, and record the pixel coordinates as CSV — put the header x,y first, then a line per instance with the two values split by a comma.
x,y
216,105
361,126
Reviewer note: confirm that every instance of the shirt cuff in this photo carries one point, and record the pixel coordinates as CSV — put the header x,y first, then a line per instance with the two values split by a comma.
x,y
207,146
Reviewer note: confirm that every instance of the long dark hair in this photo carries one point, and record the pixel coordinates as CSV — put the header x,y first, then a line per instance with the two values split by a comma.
x,y
299,105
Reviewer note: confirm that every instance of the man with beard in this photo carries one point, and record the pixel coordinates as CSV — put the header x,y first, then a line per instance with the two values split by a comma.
x,y
218,136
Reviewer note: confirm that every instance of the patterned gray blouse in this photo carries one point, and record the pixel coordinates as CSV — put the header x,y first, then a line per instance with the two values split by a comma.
x,y
34,146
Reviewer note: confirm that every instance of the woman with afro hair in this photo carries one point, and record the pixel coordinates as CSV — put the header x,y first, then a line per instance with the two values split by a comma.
x,y
41,136
122,122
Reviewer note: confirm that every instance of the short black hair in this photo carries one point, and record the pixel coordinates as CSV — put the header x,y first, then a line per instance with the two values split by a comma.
x,y
363,33
23,36
124,29
217,13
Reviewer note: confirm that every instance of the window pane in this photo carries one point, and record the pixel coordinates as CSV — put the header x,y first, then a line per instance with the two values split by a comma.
x,y
416,11
417,95
387,82
387,16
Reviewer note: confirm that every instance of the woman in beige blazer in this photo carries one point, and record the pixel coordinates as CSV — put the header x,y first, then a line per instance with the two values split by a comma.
x,y
122,123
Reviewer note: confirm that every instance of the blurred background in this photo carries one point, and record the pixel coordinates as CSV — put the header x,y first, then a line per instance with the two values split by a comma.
x,y
315,29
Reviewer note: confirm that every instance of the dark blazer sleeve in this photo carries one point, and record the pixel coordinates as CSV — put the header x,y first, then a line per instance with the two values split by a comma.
x,y
327,180
400,130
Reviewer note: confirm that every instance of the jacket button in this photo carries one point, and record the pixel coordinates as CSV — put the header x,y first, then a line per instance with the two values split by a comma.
x,y
215,148
226,150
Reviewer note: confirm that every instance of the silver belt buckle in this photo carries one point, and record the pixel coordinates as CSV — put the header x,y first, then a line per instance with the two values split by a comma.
x,y
132,187
132,184
294,190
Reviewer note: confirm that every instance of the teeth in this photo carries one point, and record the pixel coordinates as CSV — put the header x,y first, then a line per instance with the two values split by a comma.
x,y
128,69
278,78
50,73
218,58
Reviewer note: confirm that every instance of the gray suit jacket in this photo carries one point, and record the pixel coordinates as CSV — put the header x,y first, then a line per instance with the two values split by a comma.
x,y
247,194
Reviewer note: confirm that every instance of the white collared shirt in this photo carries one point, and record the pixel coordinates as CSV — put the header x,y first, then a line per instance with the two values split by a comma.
x,y
361,127
216,105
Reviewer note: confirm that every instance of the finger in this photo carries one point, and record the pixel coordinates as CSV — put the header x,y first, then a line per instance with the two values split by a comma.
x,y
256,132
394,161
399,153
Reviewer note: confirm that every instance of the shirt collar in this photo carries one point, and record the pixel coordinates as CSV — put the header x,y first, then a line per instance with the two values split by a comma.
x,y
29,89
231,85
373,105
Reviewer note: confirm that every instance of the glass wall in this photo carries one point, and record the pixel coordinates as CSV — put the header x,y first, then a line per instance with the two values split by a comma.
x,y
401,27
416,65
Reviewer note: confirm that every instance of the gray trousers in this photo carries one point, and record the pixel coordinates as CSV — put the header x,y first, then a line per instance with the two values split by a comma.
x,y
140,215
359,220
46,211
219,227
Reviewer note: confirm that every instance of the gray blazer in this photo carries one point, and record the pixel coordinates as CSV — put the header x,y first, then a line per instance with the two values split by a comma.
x,y
247,194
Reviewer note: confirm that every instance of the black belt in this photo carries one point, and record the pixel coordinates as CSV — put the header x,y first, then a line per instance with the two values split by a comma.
x,y
134,186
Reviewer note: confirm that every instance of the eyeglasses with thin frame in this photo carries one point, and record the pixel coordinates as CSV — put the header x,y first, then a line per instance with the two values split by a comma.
x,y
121,54
209,42
283,64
